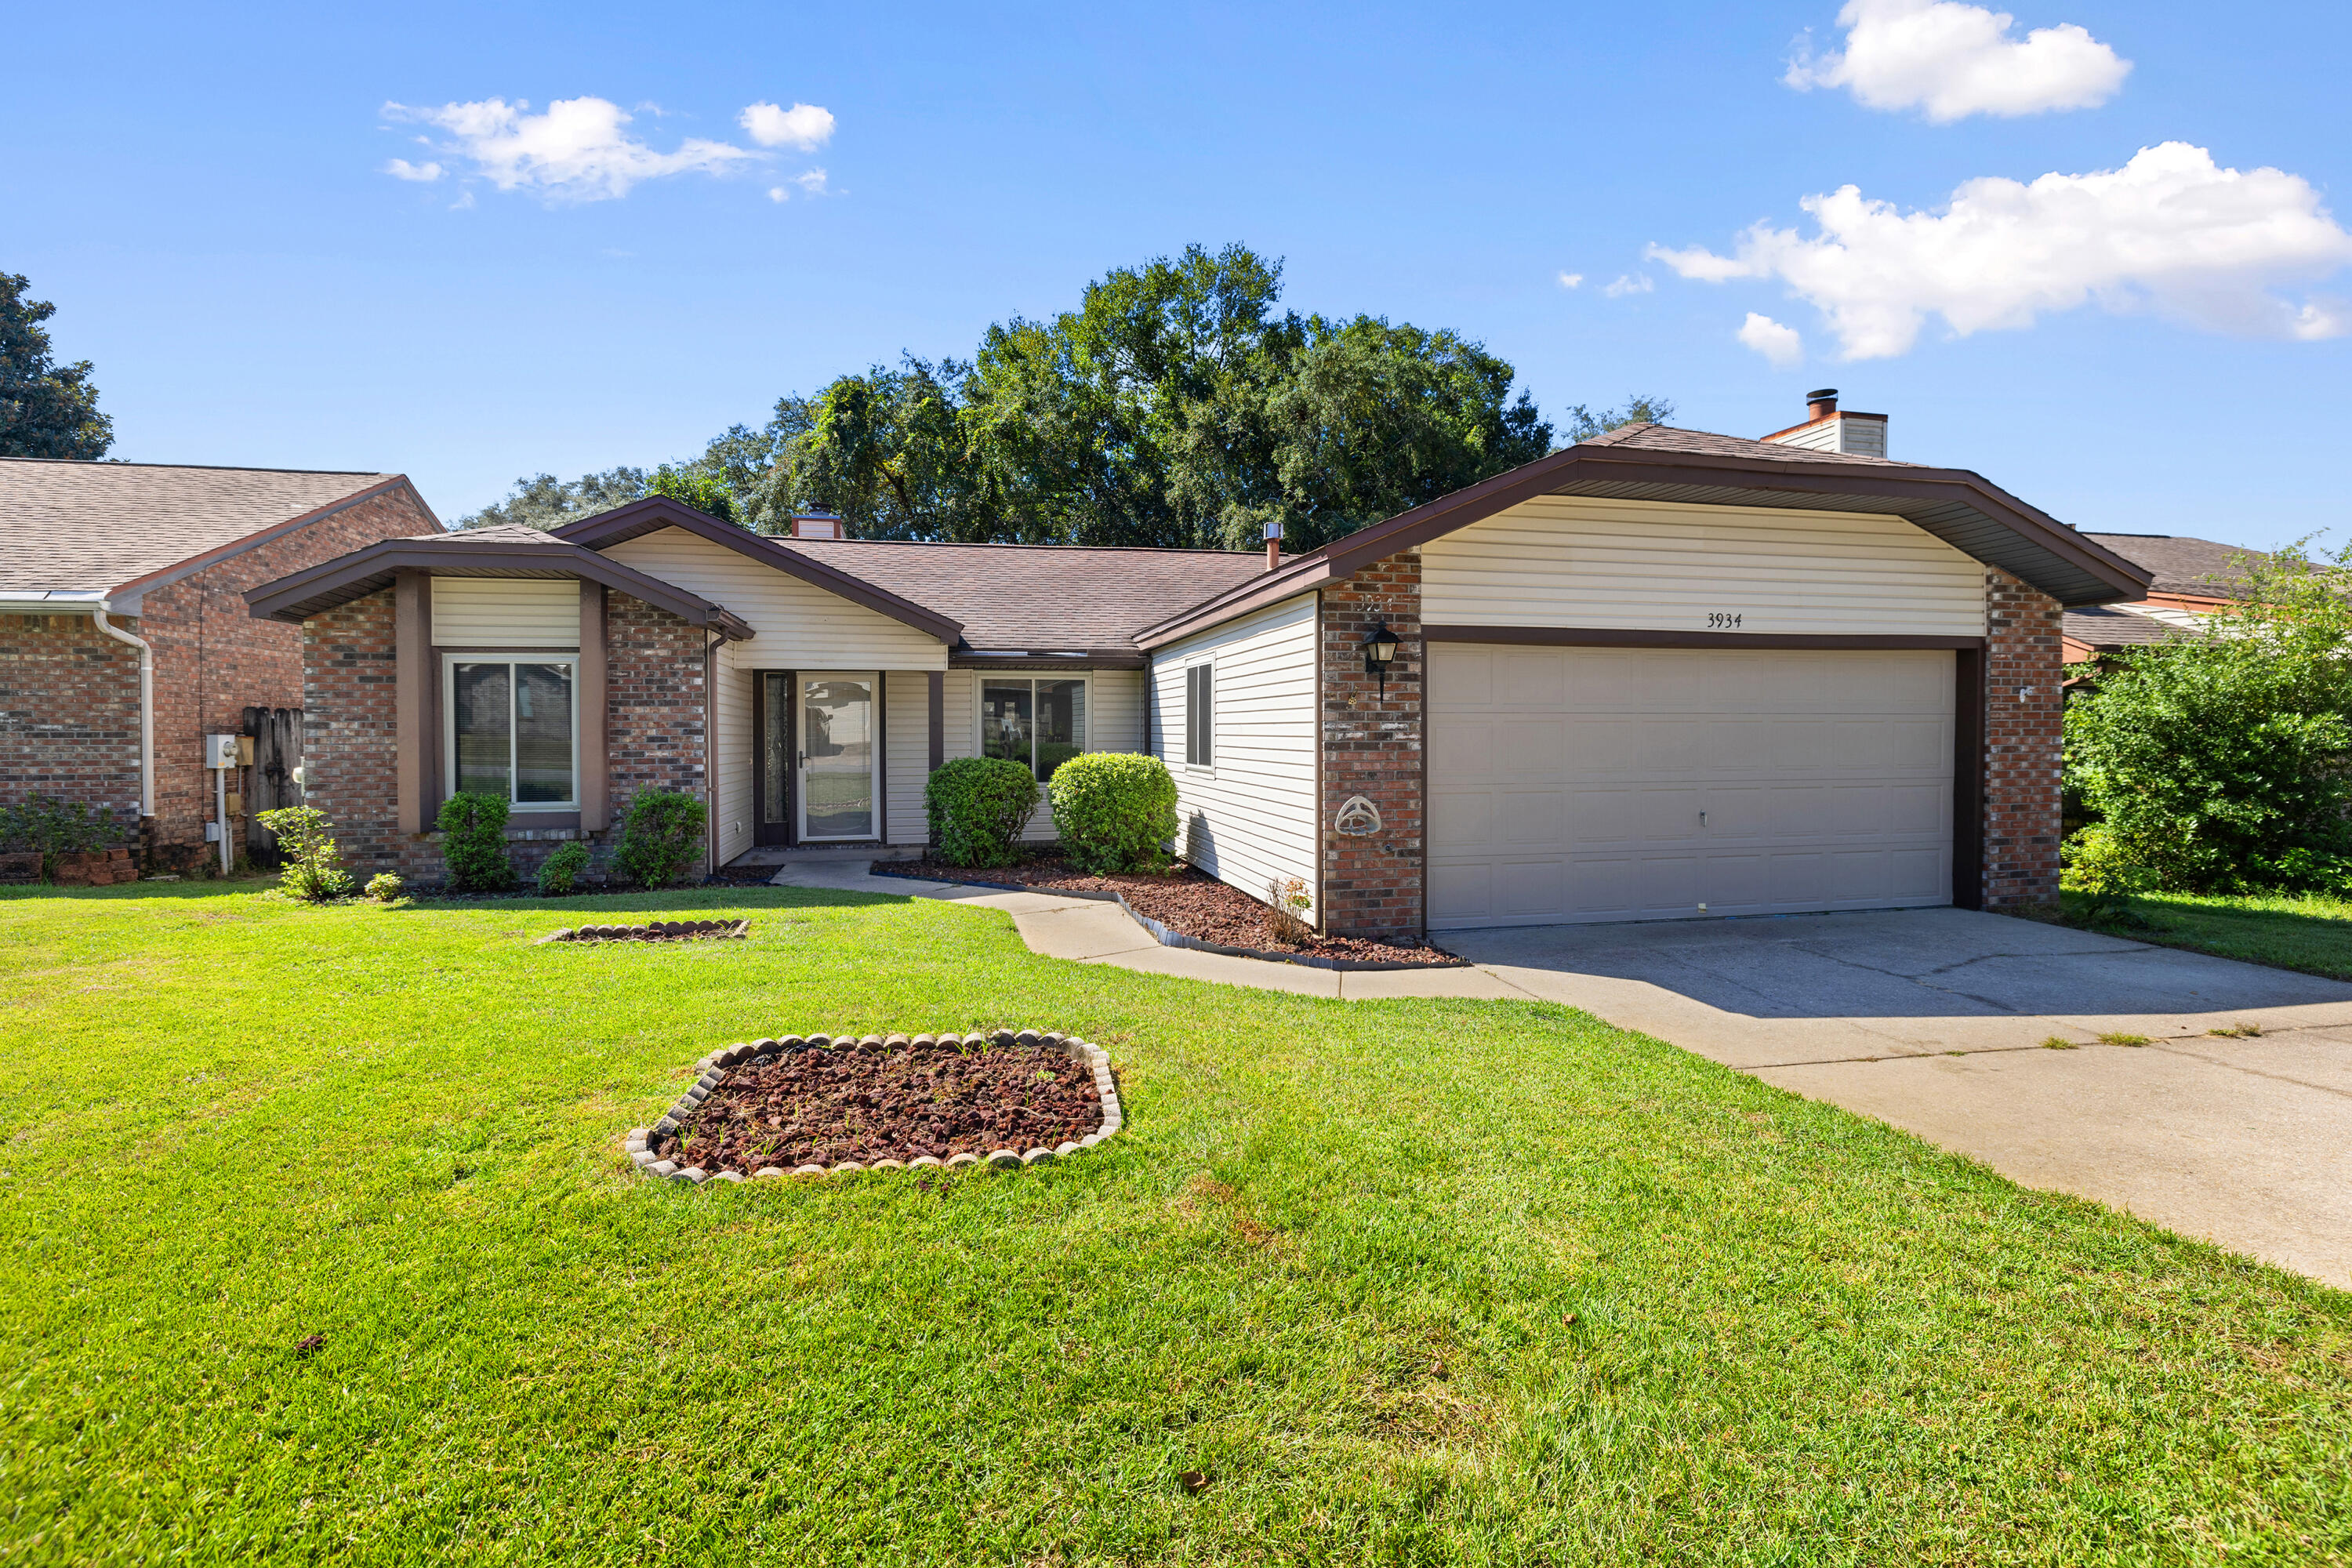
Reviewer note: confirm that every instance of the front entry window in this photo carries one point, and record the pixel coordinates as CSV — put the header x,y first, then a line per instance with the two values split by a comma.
x,y
837,756
1041,724
510,730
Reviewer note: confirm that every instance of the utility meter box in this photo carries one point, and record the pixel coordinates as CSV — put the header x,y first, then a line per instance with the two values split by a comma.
x,y
221,750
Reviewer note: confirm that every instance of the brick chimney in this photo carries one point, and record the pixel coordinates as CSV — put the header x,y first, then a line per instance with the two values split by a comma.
x,y
1829,428
819,525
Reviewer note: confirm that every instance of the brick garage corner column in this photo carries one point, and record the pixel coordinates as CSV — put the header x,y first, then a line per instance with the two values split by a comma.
x,y
2024,702
1373,747
350,732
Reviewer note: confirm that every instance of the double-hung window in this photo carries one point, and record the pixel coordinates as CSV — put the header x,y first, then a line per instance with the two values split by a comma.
x,y
512,728
1200,687
1040,724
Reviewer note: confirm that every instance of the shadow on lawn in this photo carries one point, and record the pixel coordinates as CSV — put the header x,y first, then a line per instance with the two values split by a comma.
x,y
748,896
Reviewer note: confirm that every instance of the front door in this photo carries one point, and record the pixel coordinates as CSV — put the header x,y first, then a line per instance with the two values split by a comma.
x,y
838,758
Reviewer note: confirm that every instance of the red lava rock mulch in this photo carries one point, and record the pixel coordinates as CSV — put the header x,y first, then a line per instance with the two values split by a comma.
x,y
659,931
1184,900
819,1106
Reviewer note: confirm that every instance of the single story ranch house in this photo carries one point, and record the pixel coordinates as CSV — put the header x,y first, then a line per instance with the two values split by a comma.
x,y
1658,674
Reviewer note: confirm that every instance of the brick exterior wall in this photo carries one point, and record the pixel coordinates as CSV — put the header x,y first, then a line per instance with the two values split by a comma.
x,y
653,732
2023,738
1373,747
70,695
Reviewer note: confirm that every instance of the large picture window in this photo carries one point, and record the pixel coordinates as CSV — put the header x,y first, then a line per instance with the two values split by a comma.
x,y
1039,723
510,730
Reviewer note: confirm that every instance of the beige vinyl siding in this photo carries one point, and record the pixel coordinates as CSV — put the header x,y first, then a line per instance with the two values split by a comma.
x,y
1573,561
733,806
1250,815
794,625
907,761
506,612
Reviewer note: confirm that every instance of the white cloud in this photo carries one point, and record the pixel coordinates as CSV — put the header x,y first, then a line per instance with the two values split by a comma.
x,y
1783,347
402,169
804,125
812,183
1571,279
778,194
2167,231
1953,60
577,151
1642,284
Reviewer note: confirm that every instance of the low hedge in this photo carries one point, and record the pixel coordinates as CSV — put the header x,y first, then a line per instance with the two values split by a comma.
x,y
661,839
978,808
474,843
1116,811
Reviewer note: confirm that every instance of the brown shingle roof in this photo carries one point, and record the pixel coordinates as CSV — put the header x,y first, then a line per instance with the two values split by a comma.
x,y
1669,438
2105,626
1039,597
94,527
2181,565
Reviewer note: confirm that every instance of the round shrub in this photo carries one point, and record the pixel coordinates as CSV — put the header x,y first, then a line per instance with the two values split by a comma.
x,y
385,887
560,872
474,843
978,808
1114,810
661,839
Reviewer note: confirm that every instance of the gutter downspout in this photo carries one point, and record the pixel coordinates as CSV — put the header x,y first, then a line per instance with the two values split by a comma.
x,y
146,711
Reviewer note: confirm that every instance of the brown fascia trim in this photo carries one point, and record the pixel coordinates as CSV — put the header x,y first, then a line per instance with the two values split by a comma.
x,y
364,571
656,513
1618,636
164,576
1342,558
1042,658
1830,419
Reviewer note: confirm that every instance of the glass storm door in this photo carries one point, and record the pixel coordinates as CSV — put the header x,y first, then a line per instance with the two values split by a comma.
x,y
837,756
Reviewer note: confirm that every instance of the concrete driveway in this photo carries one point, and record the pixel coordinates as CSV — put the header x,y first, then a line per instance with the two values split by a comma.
x,y
1935,1020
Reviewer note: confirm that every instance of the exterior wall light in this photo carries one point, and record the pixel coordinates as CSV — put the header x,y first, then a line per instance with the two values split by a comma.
x,y
1380,651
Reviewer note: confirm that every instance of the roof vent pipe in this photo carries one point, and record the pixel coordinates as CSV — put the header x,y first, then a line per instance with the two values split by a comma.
x,y
1273,545
1821,404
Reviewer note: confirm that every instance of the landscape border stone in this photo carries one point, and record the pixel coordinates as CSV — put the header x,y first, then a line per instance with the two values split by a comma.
x,y
714,1069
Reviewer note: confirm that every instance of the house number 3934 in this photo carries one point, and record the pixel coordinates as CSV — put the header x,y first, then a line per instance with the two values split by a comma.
x,y
1723,623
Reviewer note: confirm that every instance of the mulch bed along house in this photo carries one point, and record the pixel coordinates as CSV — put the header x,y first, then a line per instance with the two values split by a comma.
x,y
1183,900
864,1102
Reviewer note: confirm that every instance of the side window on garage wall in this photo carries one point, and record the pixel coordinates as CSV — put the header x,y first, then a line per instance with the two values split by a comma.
x,y
1198,703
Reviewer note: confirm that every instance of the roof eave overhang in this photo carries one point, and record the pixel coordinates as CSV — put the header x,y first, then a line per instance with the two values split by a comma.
x,y
1046,659
655,513
1960,507
319,588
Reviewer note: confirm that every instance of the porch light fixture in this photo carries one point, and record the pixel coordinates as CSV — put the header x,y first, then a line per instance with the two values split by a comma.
x,y
1380,651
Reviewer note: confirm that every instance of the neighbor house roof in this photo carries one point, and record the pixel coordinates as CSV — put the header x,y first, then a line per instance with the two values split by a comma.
x,y
2178,565
90,530
2111,626
507,552
1658,462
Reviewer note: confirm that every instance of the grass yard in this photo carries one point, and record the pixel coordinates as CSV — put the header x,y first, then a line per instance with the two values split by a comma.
x,y
2309,931
1411,1283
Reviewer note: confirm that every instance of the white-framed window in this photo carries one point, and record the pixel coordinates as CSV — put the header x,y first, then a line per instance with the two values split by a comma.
x,y
510,727
1200,713
1038,721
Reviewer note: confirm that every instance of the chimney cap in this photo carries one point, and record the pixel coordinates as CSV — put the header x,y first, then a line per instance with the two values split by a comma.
x,y
1821,394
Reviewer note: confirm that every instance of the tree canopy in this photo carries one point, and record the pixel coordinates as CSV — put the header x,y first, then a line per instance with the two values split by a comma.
x,y
46,409
1177,405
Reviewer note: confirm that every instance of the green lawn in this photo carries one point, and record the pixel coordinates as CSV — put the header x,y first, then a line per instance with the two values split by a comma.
x,y
1410,1282
2310,931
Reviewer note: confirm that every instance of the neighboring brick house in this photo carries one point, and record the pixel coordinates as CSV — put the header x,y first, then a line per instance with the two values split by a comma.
x,y
1661,674
98,558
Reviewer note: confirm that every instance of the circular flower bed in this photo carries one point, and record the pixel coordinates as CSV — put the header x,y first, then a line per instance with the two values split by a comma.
x,y
820,1104
659,931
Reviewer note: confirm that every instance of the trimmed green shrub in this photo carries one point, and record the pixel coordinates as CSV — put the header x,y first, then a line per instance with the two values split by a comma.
x,y
978,808
474,843
1114,810
385,887
661,839
560,873
52,827
312,871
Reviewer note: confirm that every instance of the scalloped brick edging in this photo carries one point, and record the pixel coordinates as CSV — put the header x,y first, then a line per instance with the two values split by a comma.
x,y
659,930
715,1067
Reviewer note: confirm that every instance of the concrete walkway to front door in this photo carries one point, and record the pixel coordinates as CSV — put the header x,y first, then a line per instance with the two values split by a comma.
x,y
1936,1021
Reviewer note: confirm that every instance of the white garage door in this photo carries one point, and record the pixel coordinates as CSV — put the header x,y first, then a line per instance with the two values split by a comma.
x,y
1587,783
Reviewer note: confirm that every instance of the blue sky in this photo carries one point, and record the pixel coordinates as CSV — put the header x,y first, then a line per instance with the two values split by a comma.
x,y
204,196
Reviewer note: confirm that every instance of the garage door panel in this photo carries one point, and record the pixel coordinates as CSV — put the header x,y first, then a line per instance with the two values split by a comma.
x,y
1568,783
